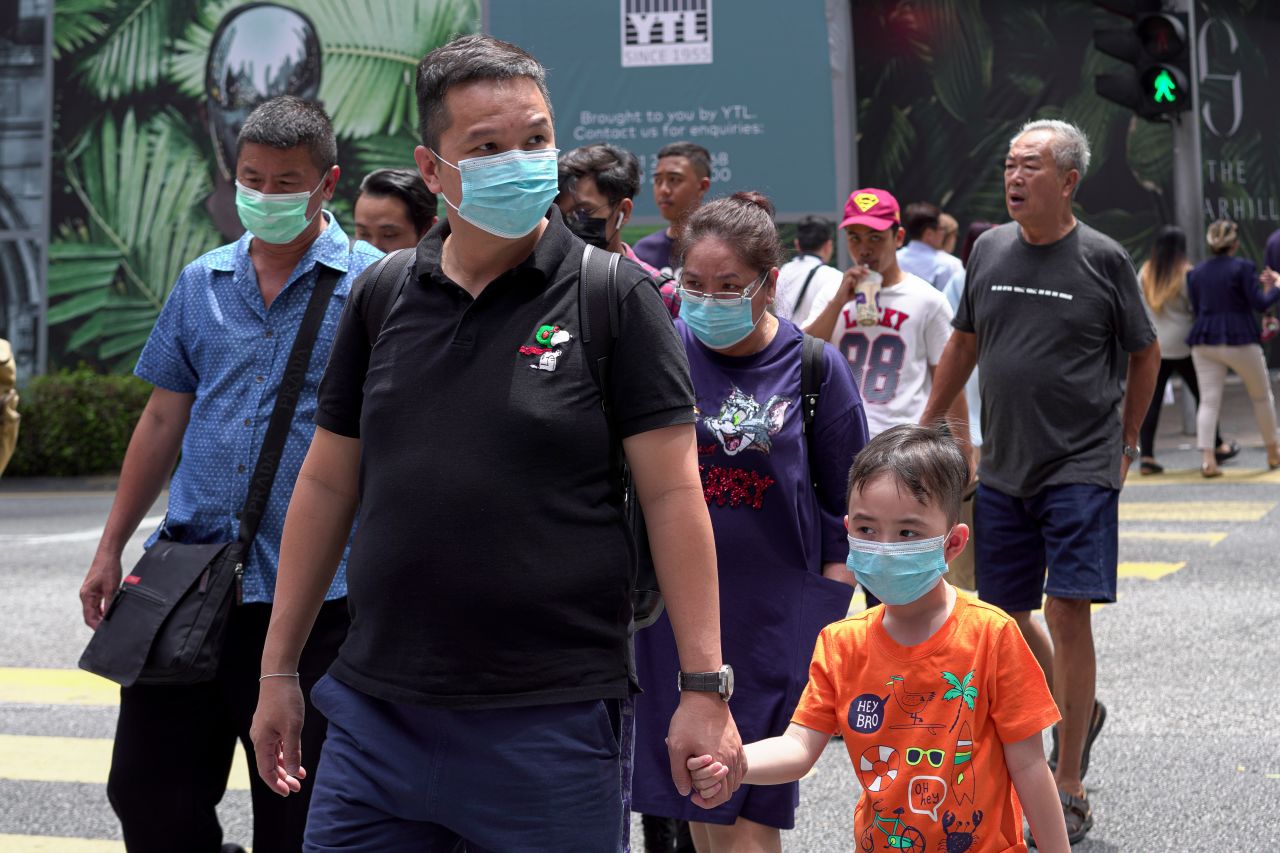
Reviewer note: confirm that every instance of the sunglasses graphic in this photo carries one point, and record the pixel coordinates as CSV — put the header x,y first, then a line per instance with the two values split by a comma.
x,y
915,755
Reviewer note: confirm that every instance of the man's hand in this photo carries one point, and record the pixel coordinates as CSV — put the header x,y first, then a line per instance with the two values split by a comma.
x,y
702,725
1125,463
277,735
99,587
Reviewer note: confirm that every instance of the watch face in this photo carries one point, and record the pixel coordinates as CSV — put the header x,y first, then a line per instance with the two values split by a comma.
x,y
727,682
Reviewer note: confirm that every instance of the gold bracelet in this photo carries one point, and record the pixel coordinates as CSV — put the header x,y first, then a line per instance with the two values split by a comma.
x,y
279,675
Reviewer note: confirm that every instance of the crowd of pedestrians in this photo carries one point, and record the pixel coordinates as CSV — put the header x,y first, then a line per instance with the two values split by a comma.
x,y
436,649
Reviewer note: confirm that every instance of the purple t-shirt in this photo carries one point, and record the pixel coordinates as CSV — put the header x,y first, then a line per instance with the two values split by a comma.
x,y
655,250
773,532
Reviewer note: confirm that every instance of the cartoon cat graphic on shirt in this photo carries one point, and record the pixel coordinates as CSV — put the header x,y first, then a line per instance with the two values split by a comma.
x,y
743,424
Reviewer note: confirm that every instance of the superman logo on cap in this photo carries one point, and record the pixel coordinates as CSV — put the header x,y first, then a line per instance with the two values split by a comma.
x,y
866,201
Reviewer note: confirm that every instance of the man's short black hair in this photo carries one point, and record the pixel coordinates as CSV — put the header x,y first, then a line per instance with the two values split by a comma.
x,y
927,460
288,121
407,186
698,157
919,217
467,59
616,171
814,232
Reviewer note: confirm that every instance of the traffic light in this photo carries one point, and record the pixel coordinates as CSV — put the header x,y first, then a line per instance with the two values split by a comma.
x,y
1157,82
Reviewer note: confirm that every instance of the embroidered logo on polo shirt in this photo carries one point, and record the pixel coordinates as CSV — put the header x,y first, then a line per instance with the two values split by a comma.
x,y
549,347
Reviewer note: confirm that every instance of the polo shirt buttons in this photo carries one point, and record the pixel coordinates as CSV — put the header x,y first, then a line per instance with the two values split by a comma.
x,y
248,421
240,469
261,378
270,334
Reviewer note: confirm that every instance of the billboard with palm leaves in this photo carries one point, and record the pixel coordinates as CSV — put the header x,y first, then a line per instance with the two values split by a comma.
x,y
149,95
943,85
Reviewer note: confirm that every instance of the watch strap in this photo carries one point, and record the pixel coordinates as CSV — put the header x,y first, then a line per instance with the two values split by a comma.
x,y
699,682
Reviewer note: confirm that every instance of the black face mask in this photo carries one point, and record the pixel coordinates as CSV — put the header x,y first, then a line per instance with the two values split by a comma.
x,y
591,231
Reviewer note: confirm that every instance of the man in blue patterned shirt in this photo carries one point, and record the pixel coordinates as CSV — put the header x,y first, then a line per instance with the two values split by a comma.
x,y
216,357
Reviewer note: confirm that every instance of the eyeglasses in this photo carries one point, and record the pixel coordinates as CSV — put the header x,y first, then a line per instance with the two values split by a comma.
x,y
728,296
935,756
582,212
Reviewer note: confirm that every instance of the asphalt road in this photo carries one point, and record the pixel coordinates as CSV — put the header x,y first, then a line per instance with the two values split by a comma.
x,y
1189,758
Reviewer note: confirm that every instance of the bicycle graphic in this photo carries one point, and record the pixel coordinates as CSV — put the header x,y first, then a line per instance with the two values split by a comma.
x,y
898,835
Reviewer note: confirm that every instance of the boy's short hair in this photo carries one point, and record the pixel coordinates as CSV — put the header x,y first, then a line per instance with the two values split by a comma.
x,y
699,158
927,460
814,232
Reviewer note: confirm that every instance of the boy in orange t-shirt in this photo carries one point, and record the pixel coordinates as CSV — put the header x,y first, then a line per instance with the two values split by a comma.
x,y
939,700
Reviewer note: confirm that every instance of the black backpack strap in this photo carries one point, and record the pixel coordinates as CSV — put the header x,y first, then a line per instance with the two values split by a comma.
x,y
804,288
295,374
598,314
386,282
810,380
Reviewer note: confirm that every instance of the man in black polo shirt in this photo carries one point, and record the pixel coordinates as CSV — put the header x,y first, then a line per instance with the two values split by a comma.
x,y
475,700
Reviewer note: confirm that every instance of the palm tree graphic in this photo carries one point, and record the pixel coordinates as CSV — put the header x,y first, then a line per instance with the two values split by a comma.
x,y
959,690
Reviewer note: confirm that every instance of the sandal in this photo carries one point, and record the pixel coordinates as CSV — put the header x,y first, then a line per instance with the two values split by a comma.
x,y
1150,466
1233,448
1095,725
1078,815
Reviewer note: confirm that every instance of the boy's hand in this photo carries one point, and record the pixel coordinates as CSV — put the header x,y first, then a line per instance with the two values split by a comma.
x,y
707,775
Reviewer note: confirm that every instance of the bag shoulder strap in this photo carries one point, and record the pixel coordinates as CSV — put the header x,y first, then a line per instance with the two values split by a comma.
x,y
386,283
598,314
804,288
810,381
295,374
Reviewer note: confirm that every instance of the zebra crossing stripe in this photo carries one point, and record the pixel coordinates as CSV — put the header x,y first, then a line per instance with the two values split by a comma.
x,y
36,758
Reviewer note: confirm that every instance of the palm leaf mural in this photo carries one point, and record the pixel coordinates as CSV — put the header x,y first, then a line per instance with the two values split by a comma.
x,y
371,52
76,23
385,152
134,43
141,188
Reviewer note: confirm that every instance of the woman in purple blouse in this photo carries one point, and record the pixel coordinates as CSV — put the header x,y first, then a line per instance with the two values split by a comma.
x,y
776,513
1225,294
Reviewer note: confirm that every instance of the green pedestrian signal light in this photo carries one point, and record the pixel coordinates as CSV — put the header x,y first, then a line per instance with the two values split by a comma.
x,y
1165,88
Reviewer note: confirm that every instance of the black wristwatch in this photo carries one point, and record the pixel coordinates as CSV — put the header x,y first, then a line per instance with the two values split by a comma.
x,y
720,681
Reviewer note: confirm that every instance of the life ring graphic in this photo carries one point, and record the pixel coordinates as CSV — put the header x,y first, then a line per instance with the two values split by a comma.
x,y
878,767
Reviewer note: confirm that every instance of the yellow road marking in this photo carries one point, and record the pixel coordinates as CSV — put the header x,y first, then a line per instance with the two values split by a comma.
x,y
1195,510
56,687
1174,536
75,759
56,844
1148,571
1191,476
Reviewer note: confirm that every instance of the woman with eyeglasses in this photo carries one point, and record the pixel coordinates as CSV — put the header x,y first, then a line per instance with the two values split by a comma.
x,y
776,496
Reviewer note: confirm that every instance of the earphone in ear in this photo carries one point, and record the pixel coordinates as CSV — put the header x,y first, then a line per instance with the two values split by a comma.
x,y
618,224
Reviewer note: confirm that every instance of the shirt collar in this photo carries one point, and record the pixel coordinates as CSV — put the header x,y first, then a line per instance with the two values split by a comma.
x,y
331,248
555,244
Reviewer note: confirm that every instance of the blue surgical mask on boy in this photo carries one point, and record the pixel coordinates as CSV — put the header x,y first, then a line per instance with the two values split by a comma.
x,y
898,572
507,194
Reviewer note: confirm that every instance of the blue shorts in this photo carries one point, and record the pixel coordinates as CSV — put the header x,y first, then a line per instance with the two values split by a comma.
x,y
1070,532
396,777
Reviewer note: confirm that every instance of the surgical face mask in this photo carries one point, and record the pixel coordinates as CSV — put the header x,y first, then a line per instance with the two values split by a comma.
x,y
593,231
898,572
720,320
507,194
277,217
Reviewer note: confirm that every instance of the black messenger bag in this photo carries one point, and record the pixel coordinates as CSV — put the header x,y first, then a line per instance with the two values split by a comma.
x,y
167,621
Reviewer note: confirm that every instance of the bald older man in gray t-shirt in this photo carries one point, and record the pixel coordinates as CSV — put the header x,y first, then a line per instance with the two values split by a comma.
x,y
1048,306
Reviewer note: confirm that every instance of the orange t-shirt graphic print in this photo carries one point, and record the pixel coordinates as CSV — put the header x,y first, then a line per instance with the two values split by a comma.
x,y
925,726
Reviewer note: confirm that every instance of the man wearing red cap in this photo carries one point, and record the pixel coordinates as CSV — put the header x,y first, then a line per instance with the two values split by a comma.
x,y
890,324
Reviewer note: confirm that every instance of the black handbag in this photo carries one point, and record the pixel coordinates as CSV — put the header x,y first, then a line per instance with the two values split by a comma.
x,y
167,621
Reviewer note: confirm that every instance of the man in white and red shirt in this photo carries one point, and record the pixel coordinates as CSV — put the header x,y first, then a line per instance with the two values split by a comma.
x,y
893,358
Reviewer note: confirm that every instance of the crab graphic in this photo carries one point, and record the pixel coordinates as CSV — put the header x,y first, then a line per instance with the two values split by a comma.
x,y
743,424
961,838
